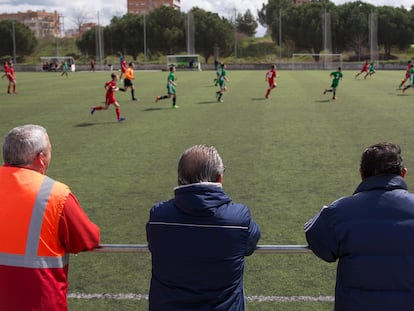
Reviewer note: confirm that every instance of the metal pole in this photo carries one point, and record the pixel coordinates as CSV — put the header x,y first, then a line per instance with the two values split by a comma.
x,y
280,34
145,39
14,42
142,248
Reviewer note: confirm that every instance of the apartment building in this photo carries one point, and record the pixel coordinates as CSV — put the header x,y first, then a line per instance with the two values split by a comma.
x,y
41,23
144,6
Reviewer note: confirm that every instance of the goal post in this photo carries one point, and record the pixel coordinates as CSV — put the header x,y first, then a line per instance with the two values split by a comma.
x,y
316,61
189,62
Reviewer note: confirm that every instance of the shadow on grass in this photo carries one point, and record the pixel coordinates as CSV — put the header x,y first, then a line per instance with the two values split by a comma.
x,y
86,124
322,101
258,98
207,102
157,108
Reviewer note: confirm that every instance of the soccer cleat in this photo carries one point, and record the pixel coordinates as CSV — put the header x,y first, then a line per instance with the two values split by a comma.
x,y
219,100
324,92
175,107
157,99
403,90
135,99
334,97
92,110
121,119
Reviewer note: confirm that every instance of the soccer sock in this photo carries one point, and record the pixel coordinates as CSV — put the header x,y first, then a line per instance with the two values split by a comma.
x,y
97,107
219,97
118,113
164,97
174,100
122,89
267,92
133,94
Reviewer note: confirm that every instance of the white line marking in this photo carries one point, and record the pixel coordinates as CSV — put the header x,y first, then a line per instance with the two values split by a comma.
x,y
248,298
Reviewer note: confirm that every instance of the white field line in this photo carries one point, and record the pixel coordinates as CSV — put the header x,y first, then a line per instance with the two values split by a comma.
x,y
248,298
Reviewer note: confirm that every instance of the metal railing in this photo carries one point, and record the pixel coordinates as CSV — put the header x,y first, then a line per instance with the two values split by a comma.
x,y
266,249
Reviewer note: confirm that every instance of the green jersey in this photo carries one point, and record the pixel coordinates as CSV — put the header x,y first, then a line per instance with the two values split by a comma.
x,y
336,76
222,77
170,84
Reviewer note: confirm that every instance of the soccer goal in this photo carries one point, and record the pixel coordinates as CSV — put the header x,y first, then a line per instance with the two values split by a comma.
x,y
316,61
190,62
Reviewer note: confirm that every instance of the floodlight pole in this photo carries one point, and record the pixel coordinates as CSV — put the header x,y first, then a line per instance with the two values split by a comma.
x,y
14,41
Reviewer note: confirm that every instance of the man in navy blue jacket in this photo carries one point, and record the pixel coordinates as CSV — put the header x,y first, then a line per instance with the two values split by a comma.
x,y
371,233
198,240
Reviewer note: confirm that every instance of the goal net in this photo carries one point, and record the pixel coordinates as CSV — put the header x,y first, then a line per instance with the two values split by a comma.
x,y
190,62
316,61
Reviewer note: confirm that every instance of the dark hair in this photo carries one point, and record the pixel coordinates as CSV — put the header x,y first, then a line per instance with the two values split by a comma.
x,y
381,158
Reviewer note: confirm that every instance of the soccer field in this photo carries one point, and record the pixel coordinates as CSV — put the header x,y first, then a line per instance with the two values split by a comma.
x,y
285,157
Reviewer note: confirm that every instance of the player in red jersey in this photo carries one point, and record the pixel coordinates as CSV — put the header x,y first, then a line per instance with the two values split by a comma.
x,y
9,73
407,74
363,69
271,75
123,65
110,99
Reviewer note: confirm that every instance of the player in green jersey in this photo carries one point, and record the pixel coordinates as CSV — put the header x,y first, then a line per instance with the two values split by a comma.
x,y
222,83
171,84
336,76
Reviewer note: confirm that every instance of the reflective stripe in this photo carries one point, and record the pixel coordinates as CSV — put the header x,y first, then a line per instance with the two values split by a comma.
x,y
197,225
30,258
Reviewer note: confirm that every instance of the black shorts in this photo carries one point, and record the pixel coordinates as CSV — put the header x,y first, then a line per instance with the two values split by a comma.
x,y
127,82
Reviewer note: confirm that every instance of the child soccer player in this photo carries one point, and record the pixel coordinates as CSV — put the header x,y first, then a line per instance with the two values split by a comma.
x,y
270,78
411,78
110,88
363,69
222,83
407,74
336,76
171,91
9,73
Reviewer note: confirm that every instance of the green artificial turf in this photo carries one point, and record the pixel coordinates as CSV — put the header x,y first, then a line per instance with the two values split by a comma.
x,y
285,158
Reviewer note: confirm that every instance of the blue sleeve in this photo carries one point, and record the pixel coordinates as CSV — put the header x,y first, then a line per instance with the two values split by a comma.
x,y
320,235
254,237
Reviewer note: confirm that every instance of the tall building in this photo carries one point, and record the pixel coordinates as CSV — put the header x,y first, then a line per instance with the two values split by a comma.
x,y
144,6
41,23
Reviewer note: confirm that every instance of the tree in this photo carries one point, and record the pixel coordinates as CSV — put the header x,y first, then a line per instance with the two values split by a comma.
x,y
303,25
212,32
166,30
24,39
394,28
246,23
352,30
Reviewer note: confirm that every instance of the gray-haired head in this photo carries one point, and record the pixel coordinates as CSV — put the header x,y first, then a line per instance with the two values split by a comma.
x,y
200,163
23,143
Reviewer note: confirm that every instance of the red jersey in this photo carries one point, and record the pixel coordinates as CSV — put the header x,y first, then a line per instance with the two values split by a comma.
x,y
123,65
365,67
110,93
407,71
10,74
271,75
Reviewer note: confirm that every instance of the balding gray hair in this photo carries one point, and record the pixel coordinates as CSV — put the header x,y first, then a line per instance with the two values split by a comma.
x,y
200,163
23,143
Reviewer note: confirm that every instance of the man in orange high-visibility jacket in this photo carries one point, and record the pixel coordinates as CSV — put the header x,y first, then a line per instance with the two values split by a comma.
x,y
41,222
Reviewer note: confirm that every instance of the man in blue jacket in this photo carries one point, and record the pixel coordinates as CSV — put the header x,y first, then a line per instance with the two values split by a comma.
x,y
371,233
198,240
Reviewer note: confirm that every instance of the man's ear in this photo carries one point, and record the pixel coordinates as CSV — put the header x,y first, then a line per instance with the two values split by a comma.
x,y
220,178
404,172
